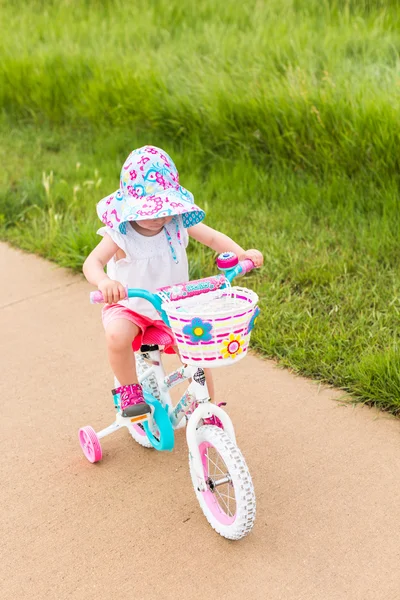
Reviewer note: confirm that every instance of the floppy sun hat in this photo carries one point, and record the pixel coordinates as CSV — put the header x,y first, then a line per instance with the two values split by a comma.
x,y
148,189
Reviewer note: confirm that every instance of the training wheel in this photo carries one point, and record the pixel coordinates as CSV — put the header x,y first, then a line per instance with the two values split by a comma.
x,y
90,444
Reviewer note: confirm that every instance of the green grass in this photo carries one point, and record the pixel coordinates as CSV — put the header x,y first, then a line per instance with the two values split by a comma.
x,y
283,119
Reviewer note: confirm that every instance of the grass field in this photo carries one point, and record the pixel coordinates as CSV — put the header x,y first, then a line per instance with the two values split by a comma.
x,y
283,119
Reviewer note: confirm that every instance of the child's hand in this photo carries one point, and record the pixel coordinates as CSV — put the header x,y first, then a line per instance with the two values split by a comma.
x,y
112,291
253,255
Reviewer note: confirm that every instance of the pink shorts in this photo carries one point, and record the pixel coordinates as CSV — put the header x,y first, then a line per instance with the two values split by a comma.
x,y
151,332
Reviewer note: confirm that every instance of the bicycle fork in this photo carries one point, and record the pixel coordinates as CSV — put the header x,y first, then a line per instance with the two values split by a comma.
x,y
205,409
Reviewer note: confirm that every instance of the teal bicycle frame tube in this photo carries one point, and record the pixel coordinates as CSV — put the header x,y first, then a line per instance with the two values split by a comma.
x,y
230,274
154,299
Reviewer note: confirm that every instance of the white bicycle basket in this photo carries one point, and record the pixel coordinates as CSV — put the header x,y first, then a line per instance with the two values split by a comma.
x,y
213,329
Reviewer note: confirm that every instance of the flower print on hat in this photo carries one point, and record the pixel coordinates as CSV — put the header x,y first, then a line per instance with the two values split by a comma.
x,y
149,188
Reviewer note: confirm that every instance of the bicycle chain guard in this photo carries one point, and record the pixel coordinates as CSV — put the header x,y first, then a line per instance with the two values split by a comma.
x,y
164,426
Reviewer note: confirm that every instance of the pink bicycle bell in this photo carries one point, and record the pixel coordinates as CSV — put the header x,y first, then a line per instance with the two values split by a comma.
x,y
227,261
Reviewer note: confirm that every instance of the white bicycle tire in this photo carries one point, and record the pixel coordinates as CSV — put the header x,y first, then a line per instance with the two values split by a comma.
x,y
241,482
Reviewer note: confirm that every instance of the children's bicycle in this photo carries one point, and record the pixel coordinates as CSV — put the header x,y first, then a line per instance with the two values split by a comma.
x,y
212,324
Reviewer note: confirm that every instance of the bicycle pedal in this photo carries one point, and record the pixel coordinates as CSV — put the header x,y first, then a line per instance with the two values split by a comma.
x,y
136,410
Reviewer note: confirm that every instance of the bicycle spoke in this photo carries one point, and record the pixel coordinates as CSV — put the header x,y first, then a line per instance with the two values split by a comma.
x,y
229,512
215,465
223,502
226,496
215,471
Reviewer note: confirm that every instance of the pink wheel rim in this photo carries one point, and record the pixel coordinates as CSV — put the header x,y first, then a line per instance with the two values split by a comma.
x,y
221,502
139,430
90,444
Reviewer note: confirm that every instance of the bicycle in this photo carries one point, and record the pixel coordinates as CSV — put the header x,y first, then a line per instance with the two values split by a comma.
x,y
212,324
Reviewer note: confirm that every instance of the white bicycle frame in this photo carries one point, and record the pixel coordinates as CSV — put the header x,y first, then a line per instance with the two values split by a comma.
x,y
196,392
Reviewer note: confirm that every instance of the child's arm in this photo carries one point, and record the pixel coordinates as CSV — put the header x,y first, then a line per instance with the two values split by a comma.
x,y
93,269
222,243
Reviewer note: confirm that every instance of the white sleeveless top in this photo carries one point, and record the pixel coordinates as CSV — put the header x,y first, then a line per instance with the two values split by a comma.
x,y
149,262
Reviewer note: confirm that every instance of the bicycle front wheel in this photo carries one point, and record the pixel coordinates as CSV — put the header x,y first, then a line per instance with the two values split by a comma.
x,y
229,502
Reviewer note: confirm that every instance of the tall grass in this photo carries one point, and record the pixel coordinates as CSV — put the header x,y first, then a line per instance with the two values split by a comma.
x,y
311,83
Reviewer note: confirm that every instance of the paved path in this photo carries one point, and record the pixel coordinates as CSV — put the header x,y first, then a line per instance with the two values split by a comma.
x,y
326,475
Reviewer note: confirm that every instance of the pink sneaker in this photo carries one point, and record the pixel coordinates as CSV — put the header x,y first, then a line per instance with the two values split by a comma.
x,y
128,395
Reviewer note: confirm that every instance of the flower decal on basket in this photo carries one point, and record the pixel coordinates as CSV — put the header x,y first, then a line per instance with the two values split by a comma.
x,y
253,320
198,330
232,347
175,292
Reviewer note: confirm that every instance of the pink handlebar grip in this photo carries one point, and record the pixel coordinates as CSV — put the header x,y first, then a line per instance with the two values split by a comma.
x,y
247,265
97,297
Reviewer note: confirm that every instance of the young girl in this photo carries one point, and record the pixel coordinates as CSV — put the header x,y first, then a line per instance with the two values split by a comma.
x,y
148,222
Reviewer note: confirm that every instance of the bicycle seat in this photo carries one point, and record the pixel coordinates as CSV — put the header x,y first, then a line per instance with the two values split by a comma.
x,y
156,337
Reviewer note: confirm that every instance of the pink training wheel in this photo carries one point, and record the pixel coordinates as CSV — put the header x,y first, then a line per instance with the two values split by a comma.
x,y
90,444
227,260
